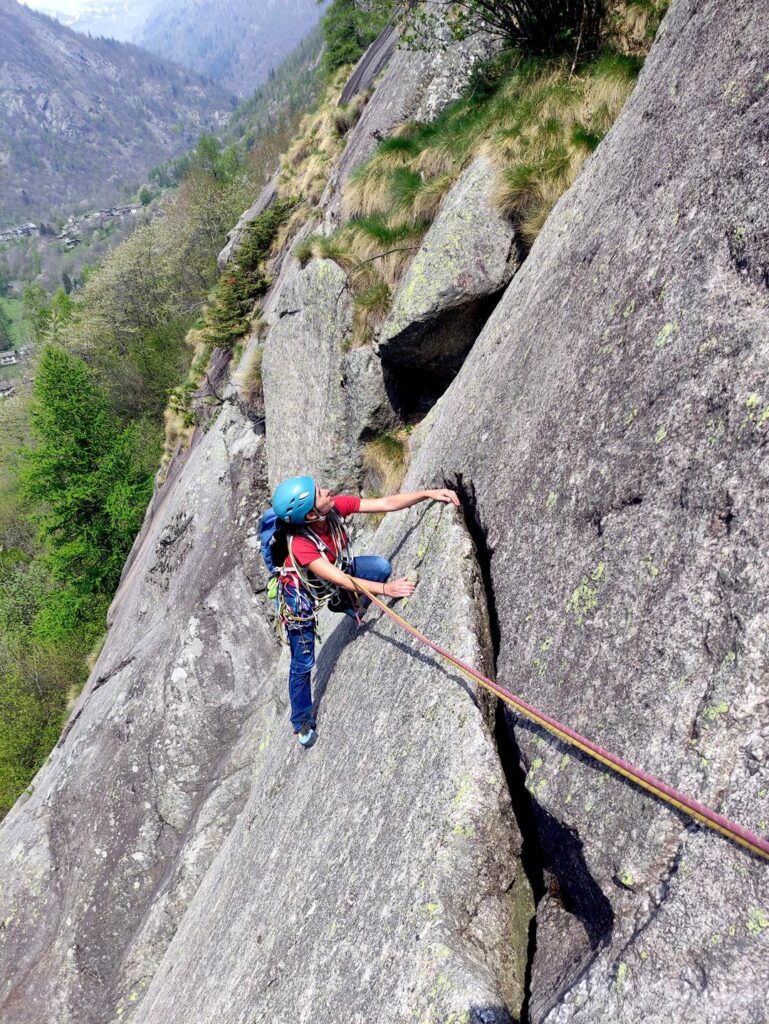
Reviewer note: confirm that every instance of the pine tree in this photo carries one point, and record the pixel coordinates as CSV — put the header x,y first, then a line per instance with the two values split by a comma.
x,y
6,341
91,480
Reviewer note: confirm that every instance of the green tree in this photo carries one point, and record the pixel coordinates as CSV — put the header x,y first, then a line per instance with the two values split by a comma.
x,y
59,315
244,281
36,310
90,481
6,341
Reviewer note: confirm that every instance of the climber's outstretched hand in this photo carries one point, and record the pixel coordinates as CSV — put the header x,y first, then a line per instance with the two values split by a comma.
x,y
399,588
445,495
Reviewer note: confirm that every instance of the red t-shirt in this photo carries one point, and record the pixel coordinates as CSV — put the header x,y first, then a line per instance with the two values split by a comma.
x,y
305,551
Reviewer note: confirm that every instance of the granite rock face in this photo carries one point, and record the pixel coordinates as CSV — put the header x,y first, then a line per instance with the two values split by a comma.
x,y
609,431
126,816
180,859
370,64
321,398
263,201
446,295
373,877
417,85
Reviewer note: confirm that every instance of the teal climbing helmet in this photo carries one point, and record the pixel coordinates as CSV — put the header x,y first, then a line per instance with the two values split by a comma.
x,y
294,498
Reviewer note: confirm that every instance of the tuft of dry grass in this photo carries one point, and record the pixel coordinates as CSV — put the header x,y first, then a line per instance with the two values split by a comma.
x,y
371,304
305,166
303,214
543,143
348,116
633,24
248,376
386,459
178,417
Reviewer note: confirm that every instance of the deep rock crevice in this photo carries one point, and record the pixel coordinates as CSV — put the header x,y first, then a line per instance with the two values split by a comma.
x,y
551,854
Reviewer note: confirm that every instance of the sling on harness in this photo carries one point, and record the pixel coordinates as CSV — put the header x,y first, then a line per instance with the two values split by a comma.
x,y
313,591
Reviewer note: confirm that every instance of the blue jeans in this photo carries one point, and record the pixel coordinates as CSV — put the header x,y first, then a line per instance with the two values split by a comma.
x,y
301,640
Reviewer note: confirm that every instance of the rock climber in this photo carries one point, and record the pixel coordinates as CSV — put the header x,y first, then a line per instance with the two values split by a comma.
x,y
320,567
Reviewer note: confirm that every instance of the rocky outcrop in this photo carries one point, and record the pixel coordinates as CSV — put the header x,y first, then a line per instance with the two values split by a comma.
x,y
446,295
417,85
608,431
102,857
370,64
263,201
321,397
375,877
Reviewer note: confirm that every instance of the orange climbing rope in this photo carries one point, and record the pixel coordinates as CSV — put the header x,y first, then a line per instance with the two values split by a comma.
x,y
681,801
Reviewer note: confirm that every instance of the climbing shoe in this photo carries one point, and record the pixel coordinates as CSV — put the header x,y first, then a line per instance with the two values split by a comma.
x,y
307,734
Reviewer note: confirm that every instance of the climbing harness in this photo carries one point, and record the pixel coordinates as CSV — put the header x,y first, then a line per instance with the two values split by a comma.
x,y
681,801
309,592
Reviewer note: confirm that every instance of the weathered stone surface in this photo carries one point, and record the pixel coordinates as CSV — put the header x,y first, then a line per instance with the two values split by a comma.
x,y
609,429
263,201
370,64
416,86
320,398
368,879
125,817
466,258
608,433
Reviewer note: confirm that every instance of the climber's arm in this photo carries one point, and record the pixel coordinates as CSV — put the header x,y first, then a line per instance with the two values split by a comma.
x,y
392,588
395,502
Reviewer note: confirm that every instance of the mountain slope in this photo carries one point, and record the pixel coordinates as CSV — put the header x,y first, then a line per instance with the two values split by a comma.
x,y
236,43
179,858
81,116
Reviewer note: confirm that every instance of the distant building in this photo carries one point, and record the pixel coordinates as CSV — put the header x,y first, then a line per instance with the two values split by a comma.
x,y
8,358
23,231
6,388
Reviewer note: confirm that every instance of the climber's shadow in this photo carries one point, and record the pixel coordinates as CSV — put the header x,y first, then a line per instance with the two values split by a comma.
x,y
344,632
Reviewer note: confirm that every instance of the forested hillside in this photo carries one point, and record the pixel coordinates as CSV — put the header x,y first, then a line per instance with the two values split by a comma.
x,y
238,43
80,117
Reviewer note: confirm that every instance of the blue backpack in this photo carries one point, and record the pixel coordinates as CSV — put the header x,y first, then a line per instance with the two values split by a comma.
x,y
274,540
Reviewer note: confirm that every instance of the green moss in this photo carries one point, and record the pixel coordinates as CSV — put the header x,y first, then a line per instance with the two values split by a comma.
x,y
714,711
621,976
628,310
758,920
661,434
664,334
551,501
584,598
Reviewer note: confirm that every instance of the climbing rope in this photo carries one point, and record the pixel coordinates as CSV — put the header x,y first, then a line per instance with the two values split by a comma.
x,y
681,801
